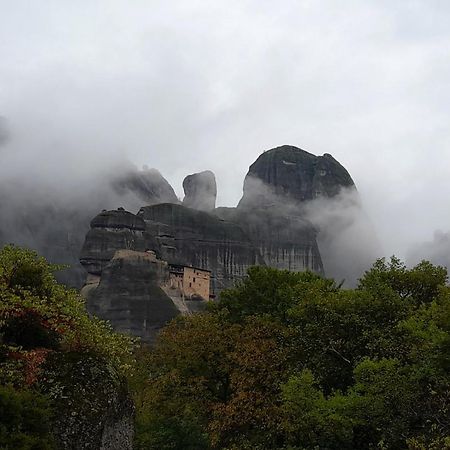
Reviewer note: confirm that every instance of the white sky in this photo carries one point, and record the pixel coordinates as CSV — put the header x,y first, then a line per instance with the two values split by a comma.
x,y
185,86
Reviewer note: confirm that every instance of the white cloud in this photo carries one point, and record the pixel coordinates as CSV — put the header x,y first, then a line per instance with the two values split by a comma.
x,y
185,86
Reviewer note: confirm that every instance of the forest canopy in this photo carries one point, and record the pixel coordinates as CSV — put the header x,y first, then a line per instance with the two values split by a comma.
x,y
282,361
294,361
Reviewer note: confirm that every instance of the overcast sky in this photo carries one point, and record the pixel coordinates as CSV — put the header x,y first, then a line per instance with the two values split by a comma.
x,y
185,86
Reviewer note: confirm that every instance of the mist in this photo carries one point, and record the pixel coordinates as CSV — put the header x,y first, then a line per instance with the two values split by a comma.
x,y
347,240
87,89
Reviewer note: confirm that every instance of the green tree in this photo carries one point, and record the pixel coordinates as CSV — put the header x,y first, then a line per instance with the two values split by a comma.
x,y
293,361
24,420
49,345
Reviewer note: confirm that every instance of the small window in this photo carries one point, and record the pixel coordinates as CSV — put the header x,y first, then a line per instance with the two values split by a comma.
x,y
190,284
194,279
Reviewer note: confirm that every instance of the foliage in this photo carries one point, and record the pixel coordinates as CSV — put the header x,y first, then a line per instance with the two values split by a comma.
x,y
36,311
43,326
293,361
24,420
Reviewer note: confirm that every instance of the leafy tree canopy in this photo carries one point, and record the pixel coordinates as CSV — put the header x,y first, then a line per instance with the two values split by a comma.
x,y
44,326
293,361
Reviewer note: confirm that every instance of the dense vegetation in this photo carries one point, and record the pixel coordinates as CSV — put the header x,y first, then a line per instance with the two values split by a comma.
x,y
55,361
283,361
293,361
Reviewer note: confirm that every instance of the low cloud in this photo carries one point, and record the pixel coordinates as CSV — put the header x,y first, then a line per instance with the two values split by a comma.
x,y
436,250
347,239
4,132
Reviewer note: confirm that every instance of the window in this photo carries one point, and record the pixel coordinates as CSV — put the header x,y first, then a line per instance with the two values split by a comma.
x,y
194,279
190,284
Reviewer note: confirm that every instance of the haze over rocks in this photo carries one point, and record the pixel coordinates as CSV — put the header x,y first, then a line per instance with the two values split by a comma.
x,y
295,206
282,209
200,191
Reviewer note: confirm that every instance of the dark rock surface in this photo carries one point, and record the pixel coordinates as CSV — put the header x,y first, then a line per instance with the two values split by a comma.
x,y
129,295
95,409
187,236
118,219
111,231
200,191
124,285
283,241
288,175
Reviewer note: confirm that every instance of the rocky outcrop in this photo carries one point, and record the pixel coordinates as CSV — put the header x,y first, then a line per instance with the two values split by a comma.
x,y
283,241
111,231
288,176
56,225
190,237
129,288
127,285
95,409
129,295
149,185
200,191
275,224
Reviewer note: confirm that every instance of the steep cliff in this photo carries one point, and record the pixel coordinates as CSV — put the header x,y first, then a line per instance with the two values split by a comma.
x,y
275,224
111,231
283,241
129,294
148,185
187,236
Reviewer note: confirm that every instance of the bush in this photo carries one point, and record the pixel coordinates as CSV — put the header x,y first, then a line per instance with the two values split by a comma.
x,y
24,420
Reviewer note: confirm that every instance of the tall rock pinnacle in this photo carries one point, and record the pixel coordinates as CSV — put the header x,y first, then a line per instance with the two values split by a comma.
x,y
200,191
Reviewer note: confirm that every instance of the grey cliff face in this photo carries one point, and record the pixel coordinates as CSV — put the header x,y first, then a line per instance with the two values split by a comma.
x,y
111,231
191,237
120,287
200,191
129,294
96,410
283,241
270,227
289,175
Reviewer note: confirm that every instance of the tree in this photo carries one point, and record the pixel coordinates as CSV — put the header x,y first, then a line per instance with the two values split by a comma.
x,y
58,366
24,420
293,361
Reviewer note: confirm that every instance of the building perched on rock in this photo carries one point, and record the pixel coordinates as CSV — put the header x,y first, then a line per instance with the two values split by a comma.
x,y
199,250
190,281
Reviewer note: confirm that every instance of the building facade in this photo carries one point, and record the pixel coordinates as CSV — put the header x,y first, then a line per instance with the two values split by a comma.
x,y
190,281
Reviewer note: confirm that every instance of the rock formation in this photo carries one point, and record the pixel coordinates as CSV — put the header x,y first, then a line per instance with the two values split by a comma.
x,y
148,185
111,231
129,295
200,191
56,228
270,226
283,241
190,237
95,408
290,176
